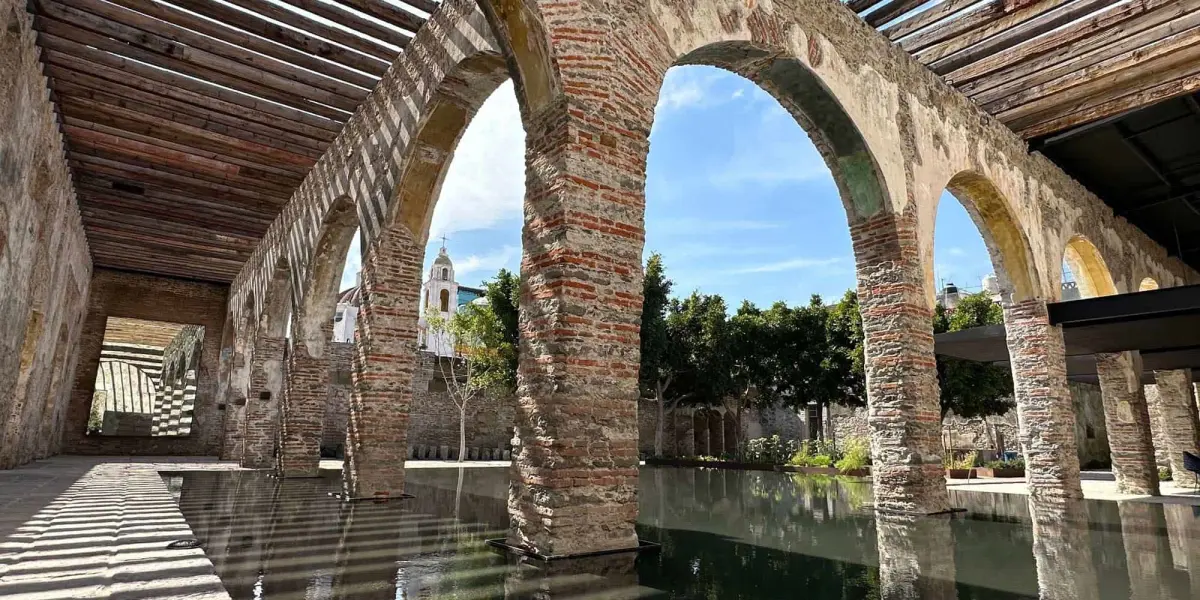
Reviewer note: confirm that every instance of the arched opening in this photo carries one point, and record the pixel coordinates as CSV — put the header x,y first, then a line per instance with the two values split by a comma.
x,y
324,275
1083,265
445,301
1007,246
1147,284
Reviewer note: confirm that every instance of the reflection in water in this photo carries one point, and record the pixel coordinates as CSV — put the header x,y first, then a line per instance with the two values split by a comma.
x,y
725,535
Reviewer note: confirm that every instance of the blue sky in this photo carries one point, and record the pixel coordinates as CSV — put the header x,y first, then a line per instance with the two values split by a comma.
x,y
738,201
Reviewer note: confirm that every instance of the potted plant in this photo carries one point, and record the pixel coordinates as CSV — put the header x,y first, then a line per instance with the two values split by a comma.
x,y
960,468
1002,468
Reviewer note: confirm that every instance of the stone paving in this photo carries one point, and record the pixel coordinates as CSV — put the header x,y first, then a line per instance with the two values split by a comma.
x,y
1097,485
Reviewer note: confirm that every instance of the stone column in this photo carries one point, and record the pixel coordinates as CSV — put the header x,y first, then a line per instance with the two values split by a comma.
x,y
261,412
916,557
904,412
700,431
1158,436
1127,420
384,364
303,408
716,433
685,436
1171,399
1045,412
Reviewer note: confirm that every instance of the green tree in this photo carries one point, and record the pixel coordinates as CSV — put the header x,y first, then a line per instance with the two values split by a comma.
x,y
503,295
844,360
661,353
747,365
480,361
972,389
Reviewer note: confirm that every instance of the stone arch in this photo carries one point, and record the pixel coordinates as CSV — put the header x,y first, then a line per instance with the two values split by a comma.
x,y
1147,284
322,275
1089,268
1008,246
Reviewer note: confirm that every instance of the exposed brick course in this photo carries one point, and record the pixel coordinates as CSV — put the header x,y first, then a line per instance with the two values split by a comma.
x,y
1128,421
262,417
302,411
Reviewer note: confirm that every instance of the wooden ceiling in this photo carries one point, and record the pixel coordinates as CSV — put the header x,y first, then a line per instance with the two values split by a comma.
x,y
189,123
1043,66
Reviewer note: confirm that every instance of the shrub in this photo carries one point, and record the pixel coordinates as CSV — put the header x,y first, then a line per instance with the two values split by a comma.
x,y
820,460
1016,463
772,450
967,461
1164,474
856,455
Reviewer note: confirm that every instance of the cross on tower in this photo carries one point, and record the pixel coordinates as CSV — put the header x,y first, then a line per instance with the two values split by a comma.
x,y
443,242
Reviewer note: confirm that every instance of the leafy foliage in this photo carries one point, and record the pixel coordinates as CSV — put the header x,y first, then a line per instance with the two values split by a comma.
x,y
503,300
856,455
969,388
769,450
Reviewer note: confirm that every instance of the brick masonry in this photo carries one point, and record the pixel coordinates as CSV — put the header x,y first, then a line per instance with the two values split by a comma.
x,y
587,79
302,411
1128,420
121,294
1045,411
262,403
45,269
1174,420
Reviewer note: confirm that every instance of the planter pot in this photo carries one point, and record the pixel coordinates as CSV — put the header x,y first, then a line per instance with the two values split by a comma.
x,y
960,473
1005,472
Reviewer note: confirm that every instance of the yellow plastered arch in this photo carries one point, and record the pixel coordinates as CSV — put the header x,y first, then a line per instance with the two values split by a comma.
x,y
1091,273
1147,284
1005,241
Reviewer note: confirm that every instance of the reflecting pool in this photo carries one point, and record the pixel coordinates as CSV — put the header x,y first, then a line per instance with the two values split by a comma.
x,y
724,535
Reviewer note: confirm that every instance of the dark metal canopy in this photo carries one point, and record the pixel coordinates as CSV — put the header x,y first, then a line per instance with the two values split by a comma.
x,y
1164,325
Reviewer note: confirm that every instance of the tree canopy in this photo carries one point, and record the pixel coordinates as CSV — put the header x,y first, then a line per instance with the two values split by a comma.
x,y
969,388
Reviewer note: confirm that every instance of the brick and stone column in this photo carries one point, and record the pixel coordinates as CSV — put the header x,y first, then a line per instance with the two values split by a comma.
x,y
904,412
716,433
685,436
700,431
1045,411
916,557
1174,418
384,364
1127,420
1158,438
261,412
303,408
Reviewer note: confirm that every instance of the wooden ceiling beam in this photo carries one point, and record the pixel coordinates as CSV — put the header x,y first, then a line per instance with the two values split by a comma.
x,y
275,12
65,45
1036,73
127,73
109,254
156,239
228,33
209,275
164,52
248,64
166,205
95,140
428,6
71,84
1119,70
290,168
968,20
1182,80
891,10
386,12
144,206
926,18
1037,47
999,22
1017,34
352,19
131,173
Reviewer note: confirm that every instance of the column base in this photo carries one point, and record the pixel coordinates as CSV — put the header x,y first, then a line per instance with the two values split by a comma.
x,y
378,499
502,545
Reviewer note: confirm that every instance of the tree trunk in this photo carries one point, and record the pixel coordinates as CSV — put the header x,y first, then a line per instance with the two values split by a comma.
x,y
462,433
658,427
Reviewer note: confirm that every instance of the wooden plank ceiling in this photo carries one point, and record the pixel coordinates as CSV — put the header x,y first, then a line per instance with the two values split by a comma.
x,y
1044,66
189,123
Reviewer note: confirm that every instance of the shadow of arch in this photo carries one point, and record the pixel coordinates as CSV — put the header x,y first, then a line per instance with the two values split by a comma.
x,y
453,106
324,271
1088,266
277,301
1147,284
816,110
243,349
1007,245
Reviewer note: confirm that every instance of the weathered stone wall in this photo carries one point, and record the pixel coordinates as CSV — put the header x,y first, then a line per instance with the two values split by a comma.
x,y
44,263
135,296
337,406
1091,434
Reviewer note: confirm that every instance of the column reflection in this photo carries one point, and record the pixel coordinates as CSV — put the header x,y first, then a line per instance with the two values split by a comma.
x,y
916,557
1062,551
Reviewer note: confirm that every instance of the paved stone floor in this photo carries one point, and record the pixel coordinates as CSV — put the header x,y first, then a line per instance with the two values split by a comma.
x,y
1097,485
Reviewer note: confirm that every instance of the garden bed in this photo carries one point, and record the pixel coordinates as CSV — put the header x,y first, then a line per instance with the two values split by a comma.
x,y
990,472
961,473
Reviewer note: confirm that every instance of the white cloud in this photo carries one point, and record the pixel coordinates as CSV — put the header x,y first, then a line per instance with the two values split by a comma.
x,y
485,183
792,264
506,257
353,264
776,152
956,251
738,93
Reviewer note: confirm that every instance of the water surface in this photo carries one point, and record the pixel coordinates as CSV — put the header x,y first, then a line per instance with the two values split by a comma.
x,y
725,535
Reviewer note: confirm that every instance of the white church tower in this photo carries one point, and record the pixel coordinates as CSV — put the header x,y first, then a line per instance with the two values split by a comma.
x,y
440,295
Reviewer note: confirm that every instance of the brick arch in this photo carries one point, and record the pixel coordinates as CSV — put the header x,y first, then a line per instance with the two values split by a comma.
x,y
317,280
1089,267
1006,241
